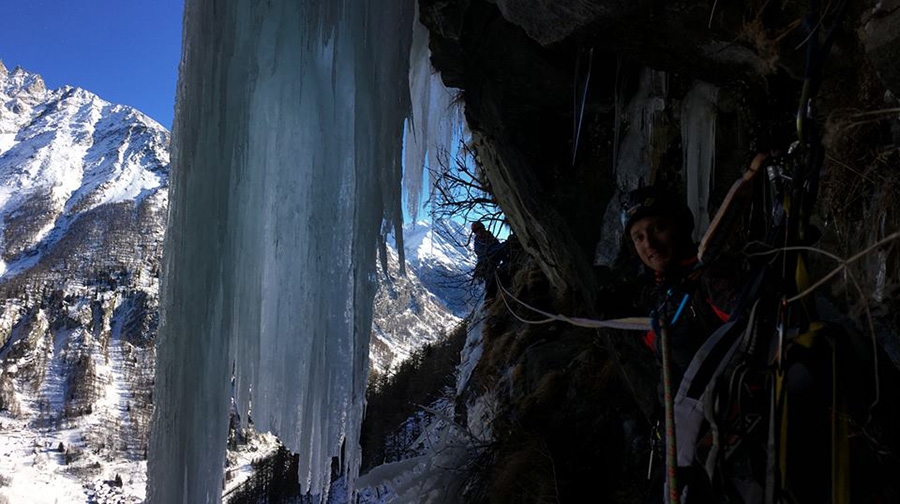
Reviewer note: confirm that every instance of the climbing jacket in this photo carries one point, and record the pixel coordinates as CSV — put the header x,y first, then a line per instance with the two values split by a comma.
x,y
707,301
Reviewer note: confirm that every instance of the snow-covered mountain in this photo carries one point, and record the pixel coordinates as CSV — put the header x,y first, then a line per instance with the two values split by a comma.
x,y
64,154
406,316
434,295
83,196
441,255
82,210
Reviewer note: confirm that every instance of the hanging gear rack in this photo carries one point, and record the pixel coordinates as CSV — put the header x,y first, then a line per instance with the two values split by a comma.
x,y
794,183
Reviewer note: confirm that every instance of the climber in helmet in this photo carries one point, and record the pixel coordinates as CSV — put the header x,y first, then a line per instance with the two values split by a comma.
x,y
658,225
693,301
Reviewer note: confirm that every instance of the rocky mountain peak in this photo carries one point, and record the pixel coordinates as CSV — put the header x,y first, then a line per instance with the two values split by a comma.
x,y
407,315
20,93
82,211
65,156
20,81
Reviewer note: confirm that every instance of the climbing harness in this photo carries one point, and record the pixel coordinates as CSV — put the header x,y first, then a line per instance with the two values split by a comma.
x,y
794,184
684,413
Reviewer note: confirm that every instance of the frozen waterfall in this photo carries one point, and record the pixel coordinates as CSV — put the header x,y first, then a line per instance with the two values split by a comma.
x,y
286,160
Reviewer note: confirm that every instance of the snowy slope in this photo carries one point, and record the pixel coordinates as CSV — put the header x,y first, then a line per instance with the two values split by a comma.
x,y
433,296
20,91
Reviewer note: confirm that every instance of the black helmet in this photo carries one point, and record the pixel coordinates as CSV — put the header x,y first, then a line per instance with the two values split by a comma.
x,y
651,201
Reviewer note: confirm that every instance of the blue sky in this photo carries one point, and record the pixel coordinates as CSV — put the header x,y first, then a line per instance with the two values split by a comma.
x,y
125,51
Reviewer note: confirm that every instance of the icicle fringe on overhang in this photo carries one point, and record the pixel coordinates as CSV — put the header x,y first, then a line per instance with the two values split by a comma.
x,y
637,155
435,120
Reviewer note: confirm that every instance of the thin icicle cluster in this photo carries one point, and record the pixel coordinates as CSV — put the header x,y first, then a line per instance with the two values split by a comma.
x,y
434,120
637,155
286,155
698,143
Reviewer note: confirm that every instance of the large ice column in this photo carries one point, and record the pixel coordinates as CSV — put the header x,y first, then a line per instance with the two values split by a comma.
x,y
698,143
285,158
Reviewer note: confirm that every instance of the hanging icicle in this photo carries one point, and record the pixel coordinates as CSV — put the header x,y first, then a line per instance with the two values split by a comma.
x,y
435,120
698,143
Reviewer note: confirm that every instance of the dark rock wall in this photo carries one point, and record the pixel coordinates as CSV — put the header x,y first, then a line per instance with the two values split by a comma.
x,y
882,43
518,98
521,67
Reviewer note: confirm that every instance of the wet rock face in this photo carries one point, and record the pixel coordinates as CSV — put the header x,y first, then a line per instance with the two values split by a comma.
x,y
548,21
721,42
518,99
881,35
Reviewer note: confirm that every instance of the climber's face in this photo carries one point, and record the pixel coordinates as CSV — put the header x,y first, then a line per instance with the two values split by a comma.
x,y
656,240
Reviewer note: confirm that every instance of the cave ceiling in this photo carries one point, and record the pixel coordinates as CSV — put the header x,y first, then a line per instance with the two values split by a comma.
x,y
520,66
